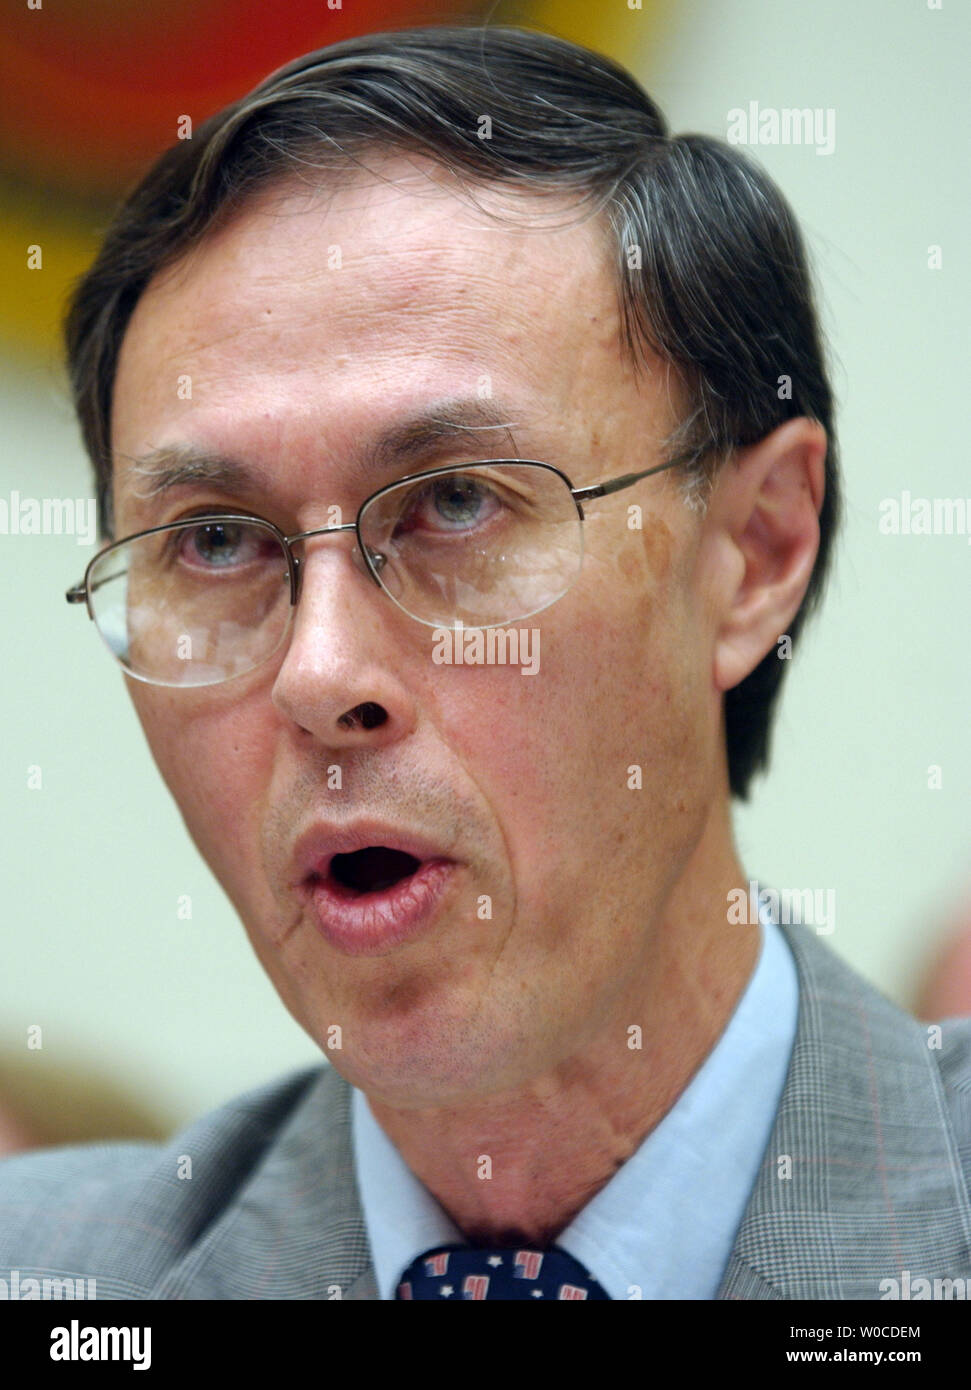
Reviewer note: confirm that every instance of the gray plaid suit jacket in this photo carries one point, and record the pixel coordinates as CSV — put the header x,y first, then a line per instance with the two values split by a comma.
x,y
874,1128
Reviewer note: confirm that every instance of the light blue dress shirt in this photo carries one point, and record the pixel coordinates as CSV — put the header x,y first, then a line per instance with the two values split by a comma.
x,y
664,1225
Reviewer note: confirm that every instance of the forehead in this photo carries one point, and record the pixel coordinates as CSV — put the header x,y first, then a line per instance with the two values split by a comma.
x,y
321,309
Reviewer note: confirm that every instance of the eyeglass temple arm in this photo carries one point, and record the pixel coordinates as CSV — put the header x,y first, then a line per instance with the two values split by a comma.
x,y
586,494
78,593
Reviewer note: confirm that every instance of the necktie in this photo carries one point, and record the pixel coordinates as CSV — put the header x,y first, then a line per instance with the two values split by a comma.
x,y
457,1272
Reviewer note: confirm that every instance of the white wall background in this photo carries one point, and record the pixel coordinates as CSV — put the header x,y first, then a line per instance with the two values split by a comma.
x,y
177,1014
880,690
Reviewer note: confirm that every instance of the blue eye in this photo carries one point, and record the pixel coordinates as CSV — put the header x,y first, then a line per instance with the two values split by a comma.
x,y
458,500
453,504
222,545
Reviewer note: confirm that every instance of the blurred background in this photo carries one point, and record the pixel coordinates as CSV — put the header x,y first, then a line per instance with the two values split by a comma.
x,y
118,945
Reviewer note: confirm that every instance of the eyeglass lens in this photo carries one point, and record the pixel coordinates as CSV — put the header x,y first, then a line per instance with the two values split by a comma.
x,y
200,603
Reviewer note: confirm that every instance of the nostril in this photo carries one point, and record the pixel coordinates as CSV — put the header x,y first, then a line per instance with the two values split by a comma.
x,y
368,715
372,716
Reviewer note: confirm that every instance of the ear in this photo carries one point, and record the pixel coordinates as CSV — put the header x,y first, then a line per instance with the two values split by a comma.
x,y
764,509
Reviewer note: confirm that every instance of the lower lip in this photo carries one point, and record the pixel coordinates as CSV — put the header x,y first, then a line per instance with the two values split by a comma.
x,y
368,924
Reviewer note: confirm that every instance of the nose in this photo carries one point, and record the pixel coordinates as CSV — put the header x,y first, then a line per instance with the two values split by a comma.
x,y
342,676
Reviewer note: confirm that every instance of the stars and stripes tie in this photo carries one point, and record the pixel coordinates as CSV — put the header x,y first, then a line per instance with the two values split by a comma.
x,y
457,1272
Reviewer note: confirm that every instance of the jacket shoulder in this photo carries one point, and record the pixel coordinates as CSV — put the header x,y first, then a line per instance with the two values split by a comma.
x,y
875,1122
954,1063
124,1213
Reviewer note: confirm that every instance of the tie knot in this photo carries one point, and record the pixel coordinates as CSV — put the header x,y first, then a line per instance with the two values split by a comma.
x,y
451,1272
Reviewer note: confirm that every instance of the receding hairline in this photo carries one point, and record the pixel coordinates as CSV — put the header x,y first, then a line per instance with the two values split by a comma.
x,y
534,206
511,204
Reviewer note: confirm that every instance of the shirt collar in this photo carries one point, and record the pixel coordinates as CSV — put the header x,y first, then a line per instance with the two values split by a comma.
x,y
664,1225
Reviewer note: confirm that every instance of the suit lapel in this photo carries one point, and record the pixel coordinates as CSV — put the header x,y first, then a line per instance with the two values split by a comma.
x,y
860,1179
294,1229
364,1286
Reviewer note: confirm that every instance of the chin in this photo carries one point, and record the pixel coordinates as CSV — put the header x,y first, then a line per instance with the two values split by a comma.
x,y
422,1064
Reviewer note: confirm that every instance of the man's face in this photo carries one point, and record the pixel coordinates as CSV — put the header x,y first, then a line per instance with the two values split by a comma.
x,y
542,929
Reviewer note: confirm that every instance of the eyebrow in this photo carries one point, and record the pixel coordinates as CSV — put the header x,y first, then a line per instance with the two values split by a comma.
x,y
461,421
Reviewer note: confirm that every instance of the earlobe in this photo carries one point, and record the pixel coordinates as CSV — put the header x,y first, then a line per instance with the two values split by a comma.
x,y
768,506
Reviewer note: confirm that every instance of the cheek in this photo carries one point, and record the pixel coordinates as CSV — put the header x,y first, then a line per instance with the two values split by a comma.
x,y
552,752
215,758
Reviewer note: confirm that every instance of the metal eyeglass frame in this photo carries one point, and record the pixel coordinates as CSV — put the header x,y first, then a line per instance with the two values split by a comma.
x,y
81,593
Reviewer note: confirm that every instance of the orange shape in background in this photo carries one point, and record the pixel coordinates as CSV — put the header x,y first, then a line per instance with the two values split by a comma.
x,y
92,91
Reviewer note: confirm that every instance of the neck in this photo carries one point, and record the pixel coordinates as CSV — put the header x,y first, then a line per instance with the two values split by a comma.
x,y
515,1167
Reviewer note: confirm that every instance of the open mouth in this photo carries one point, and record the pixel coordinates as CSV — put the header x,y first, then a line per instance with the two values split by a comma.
x,y
371,870
370,900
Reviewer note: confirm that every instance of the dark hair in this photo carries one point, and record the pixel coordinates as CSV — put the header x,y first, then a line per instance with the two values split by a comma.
x,y
710,264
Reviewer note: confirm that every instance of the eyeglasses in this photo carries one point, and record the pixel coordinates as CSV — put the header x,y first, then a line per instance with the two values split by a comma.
x,y
212,596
